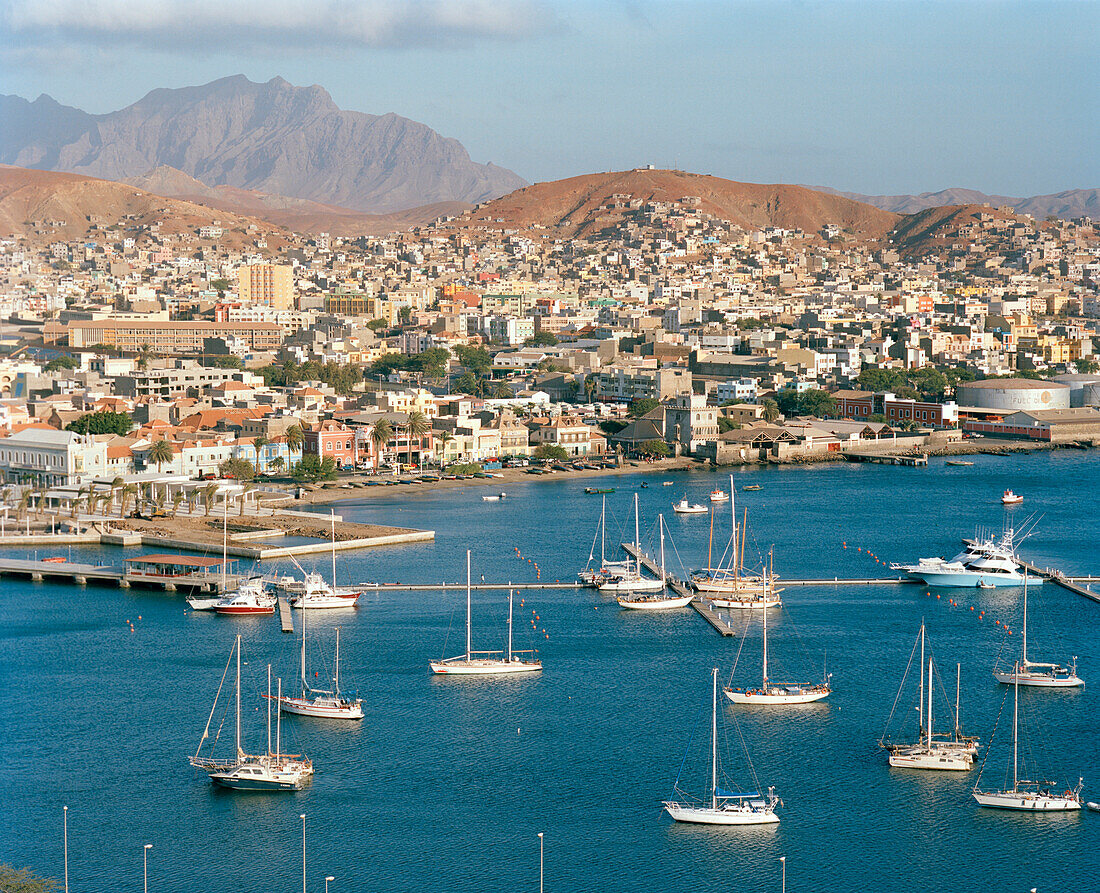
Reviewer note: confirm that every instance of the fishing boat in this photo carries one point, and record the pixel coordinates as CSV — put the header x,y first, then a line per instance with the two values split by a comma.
x,y
771,693
752,487
723,807
719,495
683,507
958,462
658,601
485,663
728,585
987,561
1027,796
319,702
1010,498
594,575
1037,674
630,579
601,490
927,752
251,597
271,771
666,483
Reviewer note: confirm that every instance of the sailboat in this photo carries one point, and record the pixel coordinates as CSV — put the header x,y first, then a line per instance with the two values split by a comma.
x,y
927,753
724,807
250,597
271,771
772,693
1039,675
595,576
322,703
485,663
631,579
728,586
957,738
657,601
315,593
1028,796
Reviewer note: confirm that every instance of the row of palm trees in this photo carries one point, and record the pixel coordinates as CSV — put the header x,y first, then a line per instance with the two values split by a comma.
x,y
415,427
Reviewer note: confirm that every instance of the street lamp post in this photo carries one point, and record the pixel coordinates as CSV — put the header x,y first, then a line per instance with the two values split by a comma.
x,y
783,867
66,834
541,863
303,818
145,866
329,878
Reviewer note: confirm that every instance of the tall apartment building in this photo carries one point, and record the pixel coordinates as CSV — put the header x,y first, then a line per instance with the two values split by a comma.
x,y
268,284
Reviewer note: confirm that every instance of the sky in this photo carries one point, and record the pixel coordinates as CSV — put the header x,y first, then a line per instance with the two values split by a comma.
x,y
878,97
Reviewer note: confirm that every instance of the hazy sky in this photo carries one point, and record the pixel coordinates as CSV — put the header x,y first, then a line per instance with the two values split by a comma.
x,y
876,97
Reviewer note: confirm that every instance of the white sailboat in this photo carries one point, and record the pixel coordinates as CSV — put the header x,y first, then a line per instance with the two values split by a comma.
x,y
658,601
724,807
1038,675
927,753
319,702
631,579
595,576
728,586
315,593
1027,796
485,663
771,693
957,738
271,771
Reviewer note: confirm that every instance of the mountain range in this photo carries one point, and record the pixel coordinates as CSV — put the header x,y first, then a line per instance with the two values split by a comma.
x,y
1068,204
272,138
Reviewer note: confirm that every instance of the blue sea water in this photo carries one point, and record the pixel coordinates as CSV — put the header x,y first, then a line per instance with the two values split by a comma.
x,y
446,783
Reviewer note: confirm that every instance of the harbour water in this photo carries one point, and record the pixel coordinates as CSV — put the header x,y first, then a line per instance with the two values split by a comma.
x,y
446,783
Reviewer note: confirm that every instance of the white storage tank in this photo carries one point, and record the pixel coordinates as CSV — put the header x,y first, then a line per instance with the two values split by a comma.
x,y
1013,394
1084,388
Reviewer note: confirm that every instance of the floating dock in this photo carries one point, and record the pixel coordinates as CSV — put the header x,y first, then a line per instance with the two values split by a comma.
x,y
286,619
648,563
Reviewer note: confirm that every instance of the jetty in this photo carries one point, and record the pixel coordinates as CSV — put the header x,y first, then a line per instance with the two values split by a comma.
x,y
722,624
887,459
286,619
167,572
648,563
1073,584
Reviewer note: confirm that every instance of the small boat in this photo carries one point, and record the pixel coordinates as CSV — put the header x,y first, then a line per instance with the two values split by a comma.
x,y
322,703
666,483
485,663
958,462
1038,675
251,598
643,485
1010,498
1027,796
719,495
594,490
1095,807
723,807
494,498
204,602
752,487
985,584
683,507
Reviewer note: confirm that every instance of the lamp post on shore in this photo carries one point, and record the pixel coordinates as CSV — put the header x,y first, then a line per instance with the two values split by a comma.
x,y
303,818
65,813
541,842
145,866
783,867
329,878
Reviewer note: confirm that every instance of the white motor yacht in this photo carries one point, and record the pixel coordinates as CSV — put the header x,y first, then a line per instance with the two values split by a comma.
x,y
989,563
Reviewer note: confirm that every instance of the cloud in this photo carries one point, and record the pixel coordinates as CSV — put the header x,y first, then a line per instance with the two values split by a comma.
x,y
271,25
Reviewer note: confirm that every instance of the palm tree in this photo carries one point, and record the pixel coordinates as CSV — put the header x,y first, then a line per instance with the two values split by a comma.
x,y
259,442
589,387
502,391
24,503
160,452
127,491
771,411
74,504
444,438
246,488
176,500
209,494
379,436
116,485
294,437
278,463
416,426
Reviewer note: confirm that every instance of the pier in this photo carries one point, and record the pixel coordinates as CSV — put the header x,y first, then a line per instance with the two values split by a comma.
x,y
885,459
1073,584
286,619
709,613
149,571
648,563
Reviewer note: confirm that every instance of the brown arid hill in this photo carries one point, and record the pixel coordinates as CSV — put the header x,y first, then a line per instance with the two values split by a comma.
x,y
296,214
579,206
939,229
47,206
1066,205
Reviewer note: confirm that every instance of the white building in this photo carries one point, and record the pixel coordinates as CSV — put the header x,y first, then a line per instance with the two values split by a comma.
x,y
50,458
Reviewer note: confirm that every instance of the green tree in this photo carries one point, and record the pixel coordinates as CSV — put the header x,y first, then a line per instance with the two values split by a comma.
x,y
877,380
237,469
612,426
726,424
222,361
641,405
551,451
817,403
278,464
246,488
312,469
258,443
771,411
377,325
380,435
103,422
389,363
466,383
294,438
1085,365
474,358
328,469
23,880
62,362
542,339
654,447
209,495
416,426
160,452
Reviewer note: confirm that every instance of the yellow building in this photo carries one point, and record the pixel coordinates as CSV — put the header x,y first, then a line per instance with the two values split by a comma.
x,y
268,284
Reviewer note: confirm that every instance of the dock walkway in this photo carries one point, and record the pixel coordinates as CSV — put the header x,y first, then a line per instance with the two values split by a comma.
x,y
648,563
286,619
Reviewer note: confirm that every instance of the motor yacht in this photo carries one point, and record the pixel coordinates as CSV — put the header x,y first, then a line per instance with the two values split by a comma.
x,y
988,563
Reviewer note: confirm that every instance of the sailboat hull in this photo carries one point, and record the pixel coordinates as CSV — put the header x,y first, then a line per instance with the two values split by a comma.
x,y
655,604
776,697
632,584
324,707
313,602
747,602
1028,801
722,815
1039,680
938,758
462,667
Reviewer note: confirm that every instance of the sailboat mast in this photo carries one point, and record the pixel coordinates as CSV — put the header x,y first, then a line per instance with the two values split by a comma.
x,y
509,657
302,602
710,542
225,540
1015,724
279,722
958,686
637,540
1025,621
468,605
714,743
920,700
603,533
765,604
733,537
741,557
333,514
269,708
661,524
238,697
930,687
336,673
